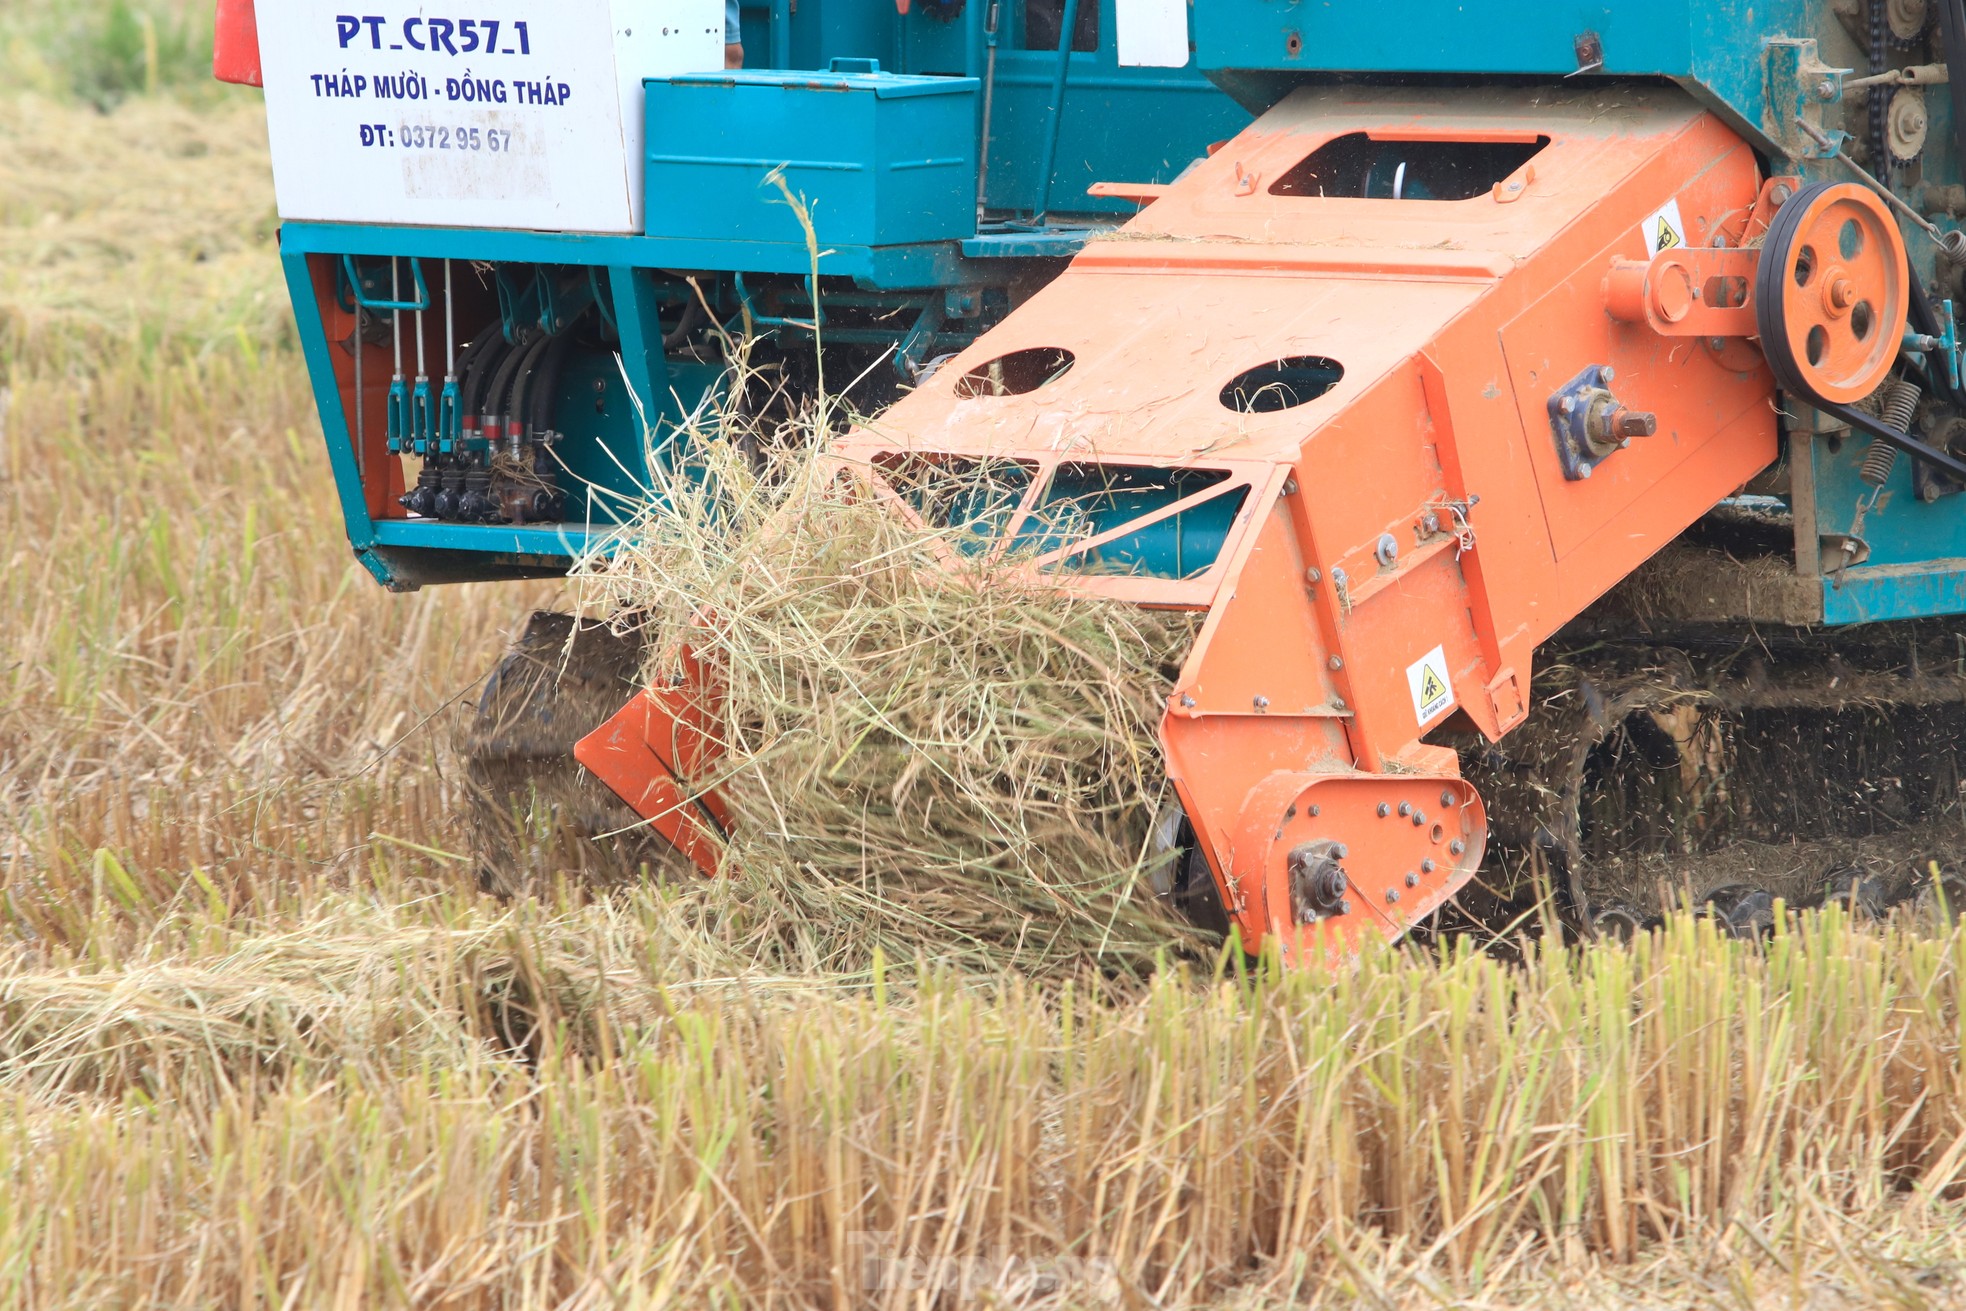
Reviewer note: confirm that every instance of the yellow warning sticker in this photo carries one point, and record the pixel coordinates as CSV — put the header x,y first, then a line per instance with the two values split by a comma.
x,y
1433,691
1663,229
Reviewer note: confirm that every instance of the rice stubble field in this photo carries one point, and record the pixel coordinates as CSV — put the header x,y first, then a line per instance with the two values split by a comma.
x,y
262,1041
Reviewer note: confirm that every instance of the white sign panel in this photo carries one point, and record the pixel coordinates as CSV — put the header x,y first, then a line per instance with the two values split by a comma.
x,y
1152,33
471,113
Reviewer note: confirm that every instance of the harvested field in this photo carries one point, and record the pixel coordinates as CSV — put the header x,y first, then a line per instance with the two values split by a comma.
x,y
262,1042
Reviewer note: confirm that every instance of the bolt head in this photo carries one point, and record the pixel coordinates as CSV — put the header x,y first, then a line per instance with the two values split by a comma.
x,y
1260,702
1392,895
1446,797
1456,847
1384,810
1187,702
1412,879
1316,811
1345,906
1826,89
1339,850
1336,662
1419,818
1427,866
1583,471
1405,808
1607,375
1313,575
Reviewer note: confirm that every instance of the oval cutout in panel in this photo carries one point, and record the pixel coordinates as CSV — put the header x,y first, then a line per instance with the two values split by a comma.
x,y
1358,167
1282,384
1016,373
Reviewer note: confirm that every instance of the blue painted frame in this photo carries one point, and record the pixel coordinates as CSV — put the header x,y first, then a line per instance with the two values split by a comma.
x,y
1713,47
395,551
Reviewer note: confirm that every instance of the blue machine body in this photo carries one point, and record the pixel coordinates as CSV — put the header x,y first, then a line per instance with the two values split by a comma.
x,y
873,121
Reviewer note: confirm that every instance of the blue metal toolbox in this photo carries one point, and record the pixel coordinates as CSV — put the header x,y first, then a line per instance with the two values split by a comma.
x,y
878,158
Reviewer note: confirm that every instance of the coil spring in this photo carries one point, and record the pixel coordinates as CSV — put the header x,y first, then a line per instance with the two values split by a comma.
x,y
1900,407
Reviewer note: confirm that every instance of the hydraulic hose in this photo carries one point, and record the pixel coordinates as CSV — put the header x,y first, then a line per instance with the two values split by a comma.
x,y
501,384
692,315
515,402
478,377
467,363
546,389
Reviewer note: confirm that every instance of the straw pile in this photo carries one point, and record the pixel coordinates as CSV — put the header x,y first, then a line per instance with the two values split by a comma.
x,y
920,758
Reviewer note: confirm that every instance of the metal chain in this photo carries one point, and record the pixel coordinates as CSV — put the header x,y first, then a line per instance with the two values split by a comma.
x,y
1878,99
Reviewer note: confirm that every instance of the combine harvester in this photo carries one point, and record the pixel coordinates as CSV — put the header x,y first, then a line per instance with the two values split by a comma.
x,y
1555,400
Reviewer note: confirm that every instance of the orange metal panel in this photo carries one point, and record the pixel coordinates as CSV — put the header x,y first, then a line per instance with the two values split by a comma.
x,y
623,753
1419,526
382,472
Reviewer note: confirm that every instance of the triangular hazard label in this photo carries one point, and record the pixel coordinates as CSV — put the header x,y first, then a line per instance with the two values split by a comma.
x,y
1666,238
1427,679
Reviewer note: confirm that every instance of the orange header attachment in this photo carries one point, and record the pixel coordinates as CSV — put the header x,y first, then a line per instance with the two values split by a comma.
x,y
1388,312
235,49
1357,388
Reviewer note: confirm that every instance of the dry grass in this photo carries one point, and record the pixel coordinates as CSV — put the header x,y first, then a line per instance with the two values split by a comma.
x,y
260,1044
912,754
140,237
382,1092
